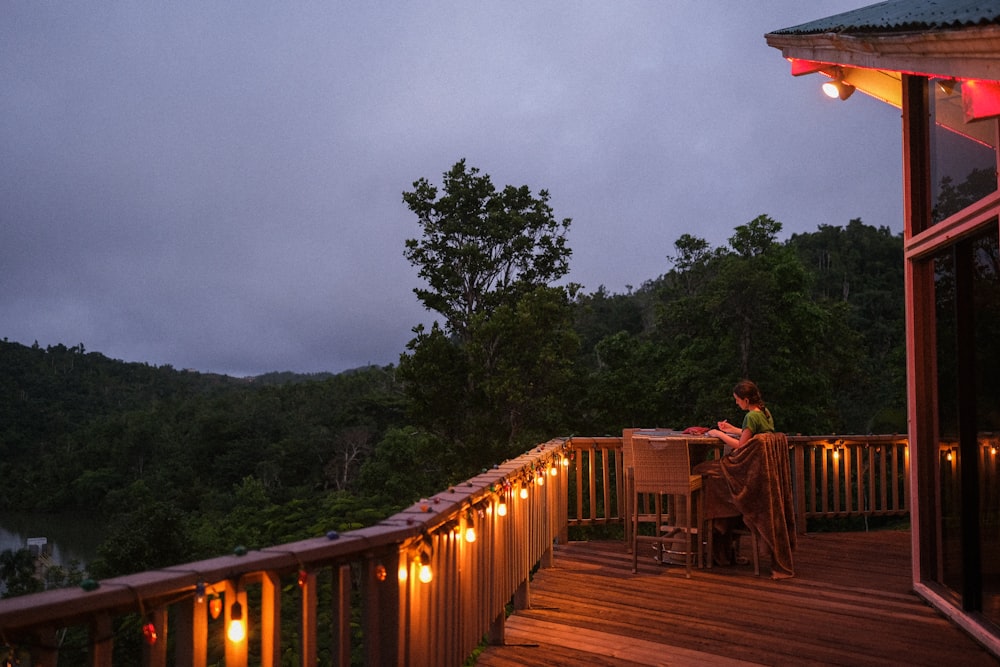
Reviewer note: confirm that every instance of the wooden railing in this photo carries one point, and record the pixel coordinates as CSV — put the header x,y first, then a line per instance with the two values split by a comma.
x,y
416,589
361,597
832,477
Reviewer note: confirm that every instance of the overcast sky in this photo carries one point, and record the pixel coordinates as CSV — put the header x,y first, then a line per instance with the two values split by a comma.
x,y
218,185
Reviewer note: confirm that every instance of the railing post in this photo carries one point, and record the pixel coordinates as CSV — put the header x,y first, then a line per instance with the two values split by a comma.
x,y
496,633
384,611
236,652
101,642
46,650
522,596
340,649
191,633
799,492
155,654
270,620
307,630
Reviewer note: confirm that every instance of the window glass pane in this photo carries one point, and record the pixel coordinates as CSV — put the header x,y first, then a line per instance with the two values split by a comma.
x,y
986,296
949,521
982,257
963,155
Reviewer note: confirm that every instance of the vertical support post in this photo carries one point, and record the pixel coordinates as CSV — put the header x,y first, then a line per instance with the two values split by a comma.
x,y
155,655
341,607
270,620
101,643
237,654
496,632
522,596
384,609
46,647
921,368
191,635
799,488
308,629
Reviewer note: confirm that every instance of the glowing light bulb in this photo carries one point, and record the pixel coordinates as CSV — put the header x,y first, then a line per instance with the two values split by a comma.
x,y
404,572
502,508
524,492
470,534
215,606
831,90
237,630
426,574
553,471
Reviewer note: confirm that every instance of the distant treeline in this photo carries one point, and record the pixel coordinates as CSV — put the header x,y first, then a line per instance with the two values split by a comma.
x,y
187,465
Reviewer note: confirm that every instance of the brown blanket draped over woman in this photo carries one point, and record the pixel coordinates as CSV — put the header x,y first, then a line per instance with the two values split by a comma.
x,y
755,481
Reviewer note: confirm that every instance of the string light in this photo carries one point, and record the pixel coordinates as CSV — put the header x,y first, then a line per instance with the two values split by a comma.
x,y
199,592
425,574
524,492
215,606
470,528
237,630
149,633
502,507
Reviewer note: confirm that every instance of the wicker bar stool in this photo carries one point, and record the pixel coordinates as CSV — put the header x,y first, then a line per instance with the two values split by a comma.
x,y
661,467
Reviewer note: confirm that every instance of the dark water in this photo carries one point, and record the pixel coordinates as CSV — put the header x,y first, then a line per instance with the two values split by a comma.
x,y
69,537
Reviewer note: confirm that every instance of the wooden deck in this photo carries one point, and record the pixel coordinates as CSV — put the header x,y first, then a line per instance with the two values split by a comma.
x,y
850,603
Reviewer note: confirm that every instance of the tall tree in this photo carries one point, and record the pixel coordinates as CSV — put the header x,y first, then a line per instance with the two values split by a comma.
x,y
489,259
482,248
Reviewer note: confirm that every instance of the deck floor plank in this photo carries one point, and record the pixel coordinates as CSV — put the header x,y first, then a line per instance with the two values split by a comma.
x,y
850,603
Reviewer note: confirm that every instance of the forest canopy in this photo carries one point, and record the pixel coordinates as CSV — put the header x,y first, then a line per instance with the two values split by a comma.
x,y
186,465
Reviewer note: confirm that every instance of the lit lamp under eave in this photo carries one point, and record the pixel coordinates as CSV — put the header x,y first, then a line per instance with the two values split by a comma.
x,y
838,88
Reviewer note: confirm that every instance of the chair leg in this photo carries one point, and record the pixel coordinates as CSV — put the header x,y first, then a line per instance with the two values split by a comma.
x,y
704,536
635,535
628,514
754,546
692,538
756,553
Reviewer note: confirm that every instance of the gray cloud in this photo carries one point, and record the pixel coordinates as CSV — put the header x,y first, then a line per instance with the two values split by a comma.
x,y
218,185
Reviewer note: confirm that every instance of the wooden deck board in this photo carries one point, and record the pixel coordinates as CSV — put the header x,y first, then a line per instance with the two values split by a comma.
x,y
850,603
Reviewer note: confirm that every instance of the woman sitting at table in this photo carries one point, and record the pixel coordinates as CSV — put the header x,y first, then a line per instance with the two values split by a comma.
x,y
758,419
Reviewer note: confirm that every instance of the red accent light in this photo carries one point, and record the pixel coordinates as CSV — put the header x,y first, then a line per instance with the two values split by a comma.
x,y
980,99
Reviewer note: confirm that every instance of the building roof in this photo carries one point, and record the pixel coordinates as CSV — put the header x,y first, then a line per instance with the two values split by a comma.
x,y
894,16
942,38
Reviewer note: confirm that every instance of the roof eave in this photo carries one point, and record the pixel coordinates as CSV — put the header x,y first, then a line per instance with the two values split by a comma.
x,y
969,53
